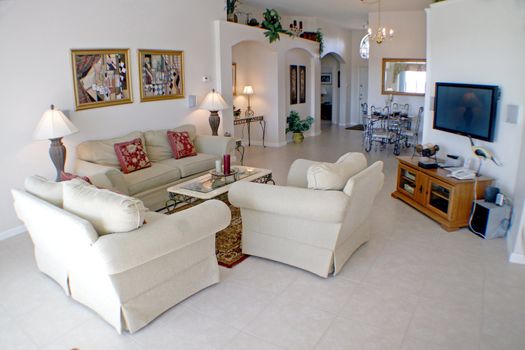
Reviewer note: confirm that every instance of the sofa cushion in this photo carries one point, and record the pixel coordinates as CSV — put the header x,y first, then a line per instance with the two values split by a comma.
x,y
102,151
181,145
108,212
334,176
157,144
132,156
45,189
192,165
149,178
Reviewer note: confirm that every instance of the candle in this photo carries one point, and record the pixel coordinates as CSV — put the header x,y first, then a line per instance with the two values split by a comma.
x,y
301,25
226,160
218,166
294,23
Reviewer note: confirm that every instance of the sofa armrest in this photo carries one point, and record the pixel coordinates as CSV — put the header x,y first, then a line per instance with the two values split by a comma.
x,y
102,176
297,173
161,235
217,145
324,206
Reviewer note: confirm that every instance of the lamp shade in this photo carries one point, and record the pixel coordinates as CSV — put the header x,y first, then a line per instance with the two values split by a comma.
x,y
248,90
53,125
214,102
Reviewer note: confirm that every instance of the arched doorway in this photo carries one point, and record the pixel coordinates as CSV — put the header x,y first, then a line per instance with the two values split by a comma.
x,y
333,100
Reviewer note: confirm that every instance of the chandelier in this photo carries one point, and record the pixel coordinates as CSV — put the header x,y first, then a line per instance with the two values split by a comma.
x,y
381,33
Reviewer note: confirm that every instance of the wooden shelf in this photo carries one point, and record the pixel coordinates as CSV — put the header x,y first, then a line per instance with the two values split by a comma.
x,y
455,197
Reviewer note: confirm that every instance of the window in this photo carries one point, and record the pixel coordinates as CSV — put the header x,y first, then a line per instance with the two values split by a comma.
x,y
364,47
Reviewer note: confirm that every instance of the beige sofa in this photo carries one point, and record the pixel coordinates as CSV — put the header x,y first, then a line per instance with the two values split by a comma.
x,y
150,184
128,278
315,230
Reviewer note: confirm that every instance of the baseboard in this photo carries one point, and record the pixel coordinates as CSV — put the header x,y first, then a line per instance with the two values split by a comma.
x,y
12,232
267,144
517,258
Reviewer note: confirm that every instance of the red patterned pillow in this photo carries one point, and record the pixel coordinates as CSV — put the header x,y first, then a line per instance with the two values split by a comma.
x,y
131,156
68,176
181,145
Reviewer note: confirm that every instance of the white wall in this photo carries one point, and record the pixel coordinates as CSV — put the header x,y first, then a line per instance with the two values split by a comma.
x,y
463,48
228,35
256,66
356,64
409,42
338,40
35,66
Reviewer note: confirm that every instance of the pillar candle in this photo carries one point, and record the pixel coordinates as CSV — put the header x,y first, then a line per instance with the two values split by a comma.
x,y
218,166
226,161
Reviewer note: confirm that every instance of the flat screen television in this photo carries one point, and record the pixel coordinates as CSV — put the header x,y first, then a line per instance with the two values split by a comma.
x,y
466,109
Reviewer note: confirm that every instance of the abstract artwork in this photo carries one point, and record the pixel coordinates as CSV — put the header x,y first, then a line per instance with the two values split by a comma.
x,y
161,75
101,78
293,85
302,84
234,79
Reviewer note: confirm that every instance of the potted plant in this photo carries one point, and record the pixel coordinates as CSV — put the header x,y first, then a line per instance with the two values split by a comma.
x,y
231,6
298,126
272,24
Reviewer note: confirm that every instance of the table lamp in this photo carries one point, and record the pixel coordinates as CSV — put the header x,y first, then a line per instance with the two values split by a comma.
x,y
248,91
53,126
214,103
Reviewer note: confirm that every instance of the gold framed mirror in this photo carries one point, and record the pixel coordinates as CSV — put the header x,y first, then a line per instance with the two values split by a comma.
x,y
404,76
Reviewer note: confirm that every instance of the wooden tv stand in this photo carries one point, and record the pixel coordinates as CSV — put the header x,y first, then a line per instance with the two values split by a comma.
x,y
444,199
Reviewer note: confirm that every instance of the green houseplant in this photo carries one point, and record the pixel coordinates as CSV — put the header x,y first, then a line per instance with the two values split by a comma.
x,y
273,26
297,126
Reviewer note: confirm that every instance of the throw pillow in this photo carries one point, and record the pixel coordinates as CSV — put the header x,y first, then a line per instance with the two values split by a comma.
x,y
132,156
107,211
181,145
68,176
334,176
45,189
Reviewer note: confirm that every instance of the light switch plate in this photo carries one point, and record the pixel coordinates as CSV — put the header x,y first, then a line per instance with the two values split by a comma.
x,y
192,101
513,112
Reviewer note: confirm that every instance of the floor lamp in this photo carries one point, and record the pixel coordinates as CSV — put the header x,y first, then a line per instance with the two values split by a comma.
x,y
214,103
53,126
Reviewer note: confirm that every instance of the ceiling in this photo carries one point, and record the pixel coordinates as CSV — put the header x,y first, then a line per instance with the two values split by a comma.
x,y
349,13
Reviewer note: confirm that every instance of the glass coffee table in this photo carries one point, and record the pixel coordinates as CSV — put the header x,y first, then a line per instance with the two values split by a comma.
x,y
214,185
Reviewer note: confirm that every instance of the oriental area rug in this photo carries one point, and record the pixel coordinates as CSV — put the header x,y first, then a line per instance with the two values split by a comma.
x,y
228,241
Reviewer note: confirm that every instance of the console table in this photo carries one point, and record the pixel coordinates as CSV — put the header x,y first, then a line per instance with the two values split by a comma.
x,y
445,199
247,121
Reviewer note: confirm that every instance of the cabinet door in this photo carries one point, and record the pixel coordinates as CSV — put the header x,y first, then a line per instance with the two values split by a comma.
x,y
439,197
407,181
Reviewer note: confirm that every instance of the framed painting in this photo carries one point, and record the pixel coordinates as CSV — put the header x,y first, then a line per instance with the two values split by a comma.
x,y
293,85
161,75
302,84
101,78
326,78
234,79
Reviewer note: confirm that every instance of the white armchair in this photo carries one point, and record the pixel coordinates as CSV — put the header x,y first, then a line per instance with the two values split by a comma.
x,y
314,230
128,278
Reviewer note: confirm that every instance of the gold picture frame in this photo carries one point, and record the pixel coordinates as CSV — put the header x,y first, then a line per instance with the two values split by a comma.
x,y
101,77
161,74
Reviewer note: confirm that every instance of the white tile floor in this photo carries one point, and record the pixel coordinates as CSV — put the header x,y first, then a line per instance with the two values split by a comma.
x,y
413,286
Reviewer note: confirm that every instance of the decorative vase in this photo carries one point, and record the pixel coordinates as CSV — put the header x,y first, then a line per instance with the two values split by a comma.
x,y
298,137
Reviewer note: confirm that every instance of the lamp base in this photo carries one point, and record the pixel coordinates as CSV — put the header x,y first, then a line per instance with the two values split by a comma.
x,y
214,120
57,153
